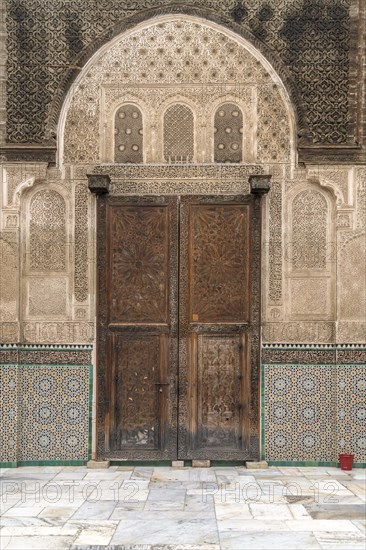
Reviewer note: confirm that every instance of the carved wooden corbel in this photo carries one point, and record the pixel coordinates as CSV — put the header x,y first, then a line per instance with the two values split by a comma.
x,y
98,183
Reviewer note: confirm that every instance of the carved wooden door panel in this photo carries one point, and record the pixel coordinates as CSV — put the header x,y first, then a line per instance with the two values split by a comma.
x,y
215,331
215,328
141,327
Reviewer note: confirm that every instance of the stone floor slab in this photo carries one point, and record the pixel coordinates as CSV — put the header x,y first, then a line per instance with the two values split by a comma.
x,y
38,543
246,525
258,540
20,511
270,511
322,525
95,510
155,508
94,532
336,511
160,528
340,541
62,513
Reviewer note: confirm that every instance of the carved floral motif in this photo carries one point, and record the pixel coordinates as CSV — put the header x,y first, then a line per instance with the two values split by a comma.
x,y
219,423
47,231
139,258
219,288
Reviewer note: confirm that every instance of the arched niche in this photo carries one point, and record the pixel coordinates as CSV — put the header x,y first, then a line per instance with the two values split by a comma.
x,y
45,241
309,259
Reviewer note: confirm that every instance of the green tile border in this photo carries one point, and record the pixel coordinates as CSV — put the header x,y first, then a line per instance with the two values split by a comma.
x,y
43,463
48,365
311,464
314,346
262,414
47,347
90,419
334,365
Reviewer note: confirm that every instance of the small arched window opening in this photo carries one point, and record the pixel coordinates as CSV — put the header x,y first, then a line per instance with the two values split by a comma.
x,y
178,134
228,132
128,129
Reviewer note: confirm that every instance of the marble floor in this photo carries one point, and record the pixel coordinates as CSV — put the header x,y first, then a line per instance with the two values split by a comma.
x,y
162,508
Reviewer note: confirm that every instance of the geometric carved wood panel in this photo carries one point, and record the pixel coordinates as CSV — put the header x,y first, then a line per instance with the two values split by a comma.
x,y
136,372
219,375
215,328
138,269
219,272
139,328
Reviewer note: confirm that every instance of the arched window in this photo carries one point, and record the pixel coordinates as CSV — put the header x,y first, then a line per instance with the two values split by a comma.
x,y
178,134
228,130
128,129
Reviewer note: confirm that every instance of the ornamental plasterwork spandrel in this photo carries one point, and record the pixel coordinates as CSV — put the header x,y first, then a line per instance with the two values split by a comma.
x,y
18,176
314,39
176,61
339,179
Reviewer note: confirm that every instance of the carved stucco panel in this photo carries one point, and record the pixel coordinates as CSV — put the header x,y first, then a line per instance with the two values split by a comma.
x,y
351,332
339,179
47,297
164,60
309,220
46,248
299,332
352,279
50,332
82,128
47,230
273,137
9,332
345,218
81,282
19,176
310,298
361,198
309,228
8,278
275,244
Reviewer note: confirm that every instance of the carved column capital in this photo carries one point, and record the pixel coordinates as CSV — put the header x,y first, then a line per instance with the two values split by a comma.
x,y
260,184
98,183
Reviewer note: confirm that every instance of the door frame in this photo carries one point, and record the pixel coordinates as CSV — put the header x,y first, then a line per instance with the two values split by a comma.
x,y
259,186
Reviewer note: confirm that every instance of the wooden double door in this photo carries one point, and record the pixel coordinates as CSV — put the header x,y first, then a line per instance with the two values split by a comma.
x,y
175,364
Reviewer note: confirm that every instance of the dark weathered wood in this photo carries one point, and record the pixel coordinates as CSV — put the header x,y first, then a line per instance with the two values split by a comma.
x,y
219,321
215,327
137,328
